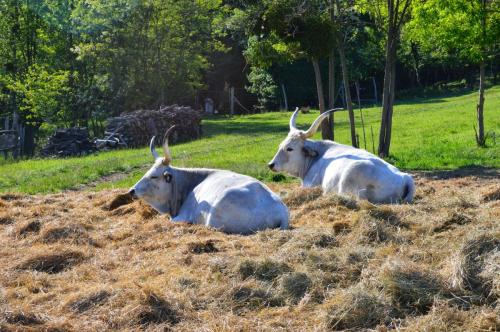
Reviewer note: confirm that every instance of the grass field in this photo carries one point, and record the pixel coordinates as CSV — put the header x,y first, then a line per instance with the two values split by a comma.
x,y
428,134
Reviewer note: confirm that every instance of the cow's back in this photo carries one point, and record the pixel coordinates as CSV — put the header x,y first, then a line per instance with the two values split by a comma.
x,y
236,203
347,170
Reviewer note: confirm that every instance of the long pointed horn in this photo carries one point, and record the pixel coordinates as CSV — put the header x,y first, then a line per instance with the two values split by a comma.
x,y
314,127
152,148
293,119
166,151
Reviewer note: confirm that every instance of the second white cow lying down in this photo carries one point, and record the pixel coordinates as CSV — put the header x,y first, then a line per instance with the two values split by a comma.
x,y
227,201
339,168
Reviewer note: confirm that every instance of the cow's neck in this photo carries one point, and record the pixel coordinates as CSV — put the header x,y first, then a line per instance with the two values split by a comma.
x,y
320,147
184,181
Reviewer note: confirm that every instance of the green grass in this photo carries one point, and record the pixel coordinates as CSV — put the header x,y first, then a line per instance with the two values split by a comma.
x,y
435,133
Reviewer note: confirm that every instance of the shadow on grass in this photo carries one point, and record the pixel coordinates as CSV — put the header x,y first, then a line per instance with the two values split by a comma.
x,y
463,171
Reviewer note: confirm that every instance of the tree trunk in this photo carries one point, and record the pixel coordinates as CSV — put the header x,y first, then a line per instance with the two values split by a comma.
x,y
480,138
29,140
331,90
361,113
326,132
347,92
388,94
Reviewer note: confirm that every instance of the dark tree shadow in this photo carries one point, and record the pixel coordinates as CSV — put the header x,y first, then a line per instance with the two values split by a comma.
x,y
463,171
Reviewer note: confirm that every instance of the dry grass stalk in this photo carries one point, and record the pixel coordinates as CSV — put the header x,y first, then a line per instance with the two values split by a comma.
x,y
271,280
6,218
473,264
89,301
53,262
72,233
293,286
493,195
301,196
453,218
156,309
202,247
410,287
251,296
355,308
443,317
29,227
266,270
119,200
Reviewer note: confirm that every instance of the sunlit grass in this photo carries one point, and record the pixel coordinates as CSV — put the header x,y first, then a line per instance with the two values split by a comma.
x,y
435,133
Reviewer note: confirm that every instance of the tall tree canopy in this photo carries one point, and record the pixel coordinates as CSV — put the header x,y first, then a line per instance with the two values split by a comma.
x,y
468,28
77,62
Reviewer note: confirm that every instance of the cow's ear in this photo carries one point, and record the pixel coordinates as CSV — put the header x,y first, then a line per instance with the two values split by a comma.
x,y
167,176
309,152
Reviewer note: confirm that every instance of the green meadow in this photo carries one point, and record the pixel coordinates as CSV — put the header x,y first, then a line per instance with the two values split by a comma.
x,y
428,134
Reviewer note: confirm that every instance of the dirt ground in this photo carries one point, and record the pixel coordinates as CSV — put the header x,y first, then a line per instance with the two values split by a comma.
x,y
69,263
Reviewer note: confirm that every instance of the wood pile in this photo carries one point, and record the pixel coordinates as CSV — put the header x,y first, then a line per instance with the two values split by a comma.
x,y
69,142
137,127
110,141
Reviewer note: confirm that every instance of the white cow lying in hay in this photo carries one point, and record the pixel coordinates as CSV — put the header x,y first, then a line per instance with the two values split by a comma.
x,y
339,168
227,201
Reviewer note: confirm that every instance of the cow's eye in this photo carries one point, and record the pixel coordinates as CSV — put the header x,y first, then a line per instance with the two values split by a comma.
x,y
167,176
154,177
289,149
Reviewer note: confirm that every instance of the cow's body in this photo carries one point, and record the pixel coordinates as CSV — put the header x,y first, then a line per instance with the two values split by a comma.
x,y
224,200
343,169
340,169
230,202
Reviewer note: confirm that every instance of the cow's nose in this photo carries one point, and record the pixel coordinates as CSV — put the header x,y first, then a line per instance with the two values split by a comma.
x,y
131,192
271,166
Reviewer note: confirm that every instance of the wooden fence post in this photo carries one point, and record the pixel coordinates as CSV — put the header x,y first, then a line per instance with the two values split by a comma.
x,y
231,100
375,94
361,112
284,96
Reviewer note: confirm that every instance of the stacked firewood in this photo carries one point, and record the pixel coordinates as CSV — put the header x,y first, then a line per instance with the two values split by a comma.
x,y
136,128
110,141
69,142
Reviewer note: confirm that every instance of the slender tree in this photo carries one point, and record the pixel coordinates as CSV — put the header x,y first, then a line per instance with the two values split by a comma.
x,y
288,30
390,15
342,19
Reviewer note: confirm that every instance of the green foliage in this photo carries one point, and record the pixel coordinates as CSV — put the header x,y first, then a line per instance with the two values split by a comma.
x,y
469,28
263,85
41,95
73,62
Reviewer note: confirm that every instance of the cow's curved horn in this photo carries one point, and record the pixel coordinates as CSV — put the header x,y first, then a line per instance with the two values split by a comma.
x,y
152,148
314,127
293,119
166,151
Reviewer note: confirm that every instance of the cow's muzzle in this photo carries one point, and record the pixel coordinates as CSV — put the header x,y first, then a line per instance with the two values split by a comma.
x,y
271,166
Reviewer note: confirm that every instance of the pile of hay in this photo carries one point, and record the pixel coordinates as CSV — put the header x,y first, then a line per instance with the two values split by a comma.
x,y
475,267
86,261
356,308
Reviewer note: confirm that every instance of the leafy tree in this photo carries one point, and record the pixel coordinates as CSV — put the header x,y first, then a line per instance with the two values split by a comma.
x,y
344,18
390,16
41,96
263,85
468,27
284,31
